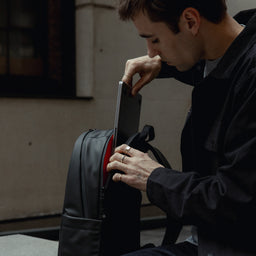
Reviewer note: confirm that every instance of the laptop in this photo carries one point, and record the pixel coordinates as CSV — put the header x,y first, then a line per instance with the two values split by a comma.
x,y
127,116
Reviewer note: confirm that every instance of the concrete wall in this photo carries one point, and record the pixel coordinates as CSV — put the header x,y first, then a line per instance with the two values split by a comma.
x,y
37,135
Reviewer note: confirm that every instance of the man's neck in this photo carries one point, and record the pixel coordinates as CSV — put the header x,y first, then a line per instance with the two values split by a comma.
x,y
218,37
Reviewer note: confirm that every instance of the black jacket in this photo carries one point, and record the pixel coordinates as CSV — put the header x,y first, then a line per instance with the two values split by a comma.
x,y
217,189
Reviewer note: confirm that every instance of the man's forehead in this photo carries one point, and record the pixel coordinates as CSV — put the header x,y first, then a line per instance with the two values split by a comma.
x,y
147,28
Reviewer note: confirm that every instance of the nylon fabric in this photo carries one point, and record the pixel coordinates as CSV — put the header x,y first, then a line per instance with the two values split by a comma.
x,y
101,219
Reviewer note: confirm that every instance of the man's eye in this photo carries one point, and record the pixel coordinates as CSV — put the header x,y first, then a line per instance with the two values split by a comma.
x,y
155,41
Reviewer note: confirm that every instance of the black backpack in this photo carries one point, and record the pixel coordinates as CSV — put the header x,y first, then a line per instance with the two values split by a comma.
x,y
101,217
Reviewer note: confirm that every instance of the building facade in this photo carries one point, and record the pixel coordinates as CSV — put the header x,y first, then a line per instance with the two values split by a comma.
x,y
59,71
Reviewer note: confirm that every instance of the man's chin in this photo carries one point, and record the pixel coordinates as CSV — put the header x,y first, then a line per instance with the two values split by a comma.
x,y
183,68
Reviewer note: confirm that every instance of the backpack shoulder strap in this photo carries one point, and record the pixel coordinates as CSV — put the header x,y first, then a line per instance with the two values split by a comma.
x,y
159,156
141,141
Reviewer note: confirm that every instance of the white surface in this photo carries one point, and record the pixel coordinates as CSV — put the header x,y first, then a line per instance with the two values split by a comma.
x,y
20,245
156,236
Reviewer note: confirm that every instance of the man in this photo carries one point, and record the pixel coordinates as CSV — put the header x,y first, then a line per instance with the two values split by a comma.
x,y
197,42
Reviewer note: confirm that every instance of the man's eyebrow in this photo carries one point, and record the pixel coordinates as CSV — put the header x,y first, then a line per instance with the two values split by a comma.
x,y
146,35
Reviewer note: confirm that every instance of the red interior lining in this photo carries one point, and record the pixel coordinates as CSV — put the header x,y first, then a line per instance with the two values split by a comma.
x,y
106,159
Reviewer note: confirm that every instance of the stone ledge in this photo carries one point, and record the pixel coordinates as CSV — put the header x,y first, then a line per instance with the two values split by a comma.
x,y
27,246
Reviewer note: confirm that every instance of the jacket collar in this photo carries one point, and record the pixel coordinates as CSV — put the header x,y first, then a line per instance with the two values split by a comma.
x,y
239,47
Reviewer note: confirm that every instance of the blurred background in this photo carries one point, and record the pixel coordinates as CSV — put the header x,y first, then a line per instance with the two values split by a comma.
x,y
60,63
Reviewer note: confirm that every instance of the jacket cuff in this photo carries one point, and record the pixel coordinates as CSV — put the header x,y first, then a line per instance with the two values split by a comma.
x,y
154,183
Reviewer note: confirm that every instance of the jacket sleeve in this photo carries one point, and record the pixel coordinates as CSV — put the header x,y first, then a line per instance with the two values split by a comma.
x,y
228,196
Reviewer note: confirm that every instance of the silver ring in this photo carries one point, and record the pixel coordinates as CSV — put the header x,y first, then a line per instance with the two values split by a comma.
x,y
123,157
127,149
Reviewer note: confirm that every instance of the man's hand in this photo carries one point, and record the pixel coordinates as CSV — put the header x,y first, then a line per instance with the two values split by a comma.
x,y
135,165
148,69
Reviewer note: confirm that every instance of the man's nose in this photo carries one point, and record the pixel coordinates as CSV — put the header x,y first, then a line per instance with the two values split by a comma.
x,y
152,52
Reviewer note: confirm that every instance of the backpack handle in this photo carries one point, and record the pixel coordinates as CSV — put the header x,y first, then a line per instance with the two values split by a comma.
x,y
141,140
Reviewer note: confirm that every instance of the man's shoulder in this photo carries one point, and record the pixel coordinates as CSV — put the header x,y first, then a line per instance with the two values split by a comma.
x,y
244,16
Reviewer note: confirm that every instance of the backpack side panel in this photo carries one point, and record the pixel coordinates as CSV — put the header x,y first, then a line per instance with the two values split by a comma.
x,y
92,161
81,227
73,202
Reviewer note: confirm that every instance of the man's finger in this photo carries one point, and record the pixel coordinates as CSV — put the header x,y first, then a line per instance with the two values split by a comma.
x,y
127,150
140,84
127,79
117,165
117,177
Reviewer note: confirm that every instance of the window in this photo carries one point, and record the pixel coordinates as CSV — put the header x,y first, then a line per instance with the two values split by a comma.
x,y
37,48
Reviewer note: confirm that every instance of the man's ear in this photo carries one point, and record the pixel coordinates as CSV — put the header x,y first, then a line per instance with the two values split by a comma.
x,y
191,20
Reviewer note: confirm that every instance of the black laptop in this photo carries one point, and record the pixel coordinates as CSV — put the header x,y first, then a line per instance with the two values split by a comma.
x,y
127,115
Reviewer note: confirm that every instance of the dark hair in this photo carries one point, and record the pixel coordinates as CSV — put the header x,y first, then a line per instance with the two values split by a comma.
x,y
169,11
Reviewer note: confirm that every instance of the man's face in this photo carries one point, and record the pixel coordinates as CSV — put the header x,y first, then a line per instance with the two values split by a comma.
x,y
182,50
